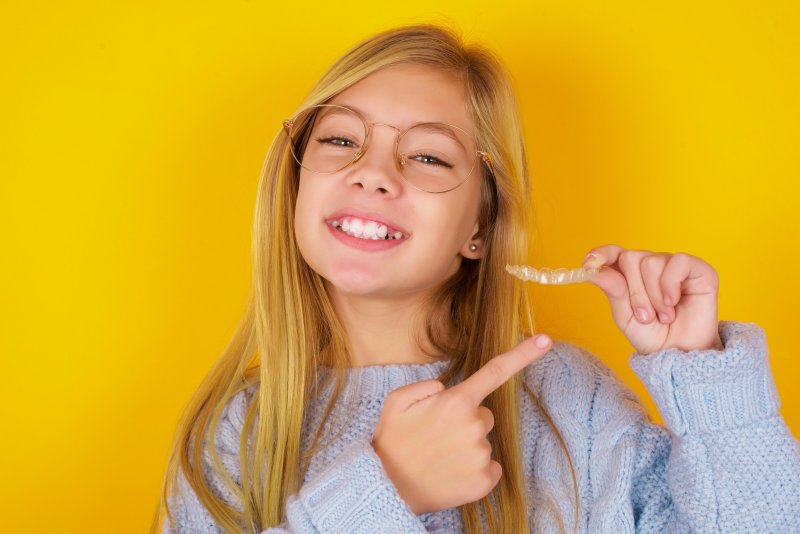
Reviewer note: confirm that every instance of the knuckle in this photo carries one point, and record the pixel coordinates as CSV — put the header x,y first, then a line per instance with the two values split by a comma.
x,y
652,262
666,287
436,384
492,475
487,415
635,295
478,429
626,256
486,450
476,492
483,484
457,399
480,455
497,369
391,399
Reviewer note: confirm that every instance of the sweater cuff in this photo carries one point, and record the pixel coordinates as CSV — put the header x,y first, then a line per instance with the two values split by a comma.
x,y
354,494
707,390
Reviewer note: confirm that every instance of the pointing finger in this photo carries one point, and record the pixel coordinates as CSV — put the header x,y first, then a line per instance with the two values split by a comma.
x,y
502,367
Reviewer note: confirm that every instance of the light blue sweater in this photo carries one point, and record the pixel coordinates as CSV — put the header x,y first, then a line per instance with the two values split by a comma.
x,y
725,463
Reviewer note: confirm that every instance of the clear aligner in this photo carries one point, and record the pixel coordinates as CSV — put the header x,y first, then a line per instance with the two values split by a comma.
x,y
549,276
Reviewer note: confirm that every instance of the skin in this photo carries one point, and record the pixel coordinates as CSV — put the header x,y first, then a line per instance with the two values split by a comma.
x,y
378,306
432,441
637,281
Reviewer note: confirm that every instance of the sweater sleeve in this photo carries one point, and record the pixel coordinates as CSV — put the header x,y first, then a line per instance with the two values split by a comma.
x,y
353,494
726,461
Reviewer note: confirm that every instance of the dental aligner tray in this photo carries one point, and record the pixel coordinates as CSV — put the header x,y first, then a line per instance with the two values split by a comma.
x,y
552,277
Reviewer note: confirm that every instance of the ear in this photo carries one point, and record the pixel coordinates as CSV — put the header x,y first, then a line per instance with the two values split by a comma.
x,y
477,239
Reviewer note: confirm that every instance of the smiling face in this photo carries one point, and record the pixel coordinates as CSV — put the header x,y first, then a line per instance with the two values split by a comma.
x,y
428,234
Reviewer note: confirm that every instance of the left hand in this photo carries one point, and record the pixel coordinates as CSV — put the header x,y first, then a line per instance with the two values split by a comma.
x,y
640,279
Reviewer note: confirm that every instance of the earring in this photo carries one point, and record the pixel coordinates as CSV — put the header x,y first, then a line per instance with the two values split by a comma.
x,y
473,247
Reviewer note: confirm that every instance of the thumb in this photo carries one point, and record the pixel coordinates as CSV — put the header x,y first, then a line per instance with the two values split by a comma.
x,y
403,397
615,286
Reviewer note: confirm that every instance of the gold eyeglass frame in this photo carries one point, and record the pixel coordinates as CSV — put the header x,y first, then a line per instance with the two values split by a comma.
x,y
288,124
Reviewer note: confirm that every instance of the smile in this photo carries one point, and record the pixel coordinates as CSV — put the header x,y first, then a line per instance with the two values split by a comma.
x,y
366,229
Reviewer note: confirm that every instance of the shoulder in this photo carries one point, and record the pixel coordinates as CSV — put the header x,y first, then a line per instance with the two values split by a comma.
x,y
571,381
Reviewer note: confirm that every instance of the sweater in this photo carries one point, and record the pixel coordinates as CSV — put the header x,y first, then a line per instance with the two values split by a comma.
x,y
724,461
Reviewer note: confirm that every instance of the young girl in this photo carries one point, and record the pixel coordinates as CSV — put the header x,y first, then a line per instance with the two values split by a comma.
x,y
381,379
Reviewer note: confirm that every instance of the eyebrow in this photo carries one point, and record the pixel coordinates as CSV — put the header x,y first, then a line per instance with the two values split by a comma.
x,y
441,127
437,126
333,111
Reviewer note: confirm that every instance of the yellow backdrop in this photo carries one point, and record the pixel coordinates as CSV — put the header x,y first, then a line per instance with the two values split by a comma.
x,y
132,139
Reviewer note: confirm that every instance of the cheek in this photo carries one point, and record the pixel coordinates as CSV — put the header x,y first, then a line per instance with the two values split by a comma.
x,y
462,215
305,215
450,224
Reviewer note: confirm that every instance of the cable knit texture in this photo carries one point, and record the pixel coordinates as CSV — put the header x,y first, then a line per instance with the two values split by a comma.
x,y
725,462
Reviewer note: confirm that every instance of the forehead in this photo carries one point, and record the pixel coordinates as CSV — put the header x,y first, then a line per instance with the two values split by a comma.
x,y
407,94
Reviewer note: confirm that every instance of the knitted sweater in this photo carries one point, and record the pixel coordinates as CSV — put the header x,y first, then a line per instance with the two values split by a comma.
x,y
726,461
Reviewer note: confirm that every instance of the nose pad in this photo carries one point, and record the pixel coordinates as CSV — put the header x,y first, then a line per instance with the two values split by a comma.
x,y
384,180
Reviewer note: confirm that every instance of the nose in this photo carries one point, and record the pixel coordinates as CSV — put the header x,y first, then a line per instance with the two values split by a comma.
x,y
378,168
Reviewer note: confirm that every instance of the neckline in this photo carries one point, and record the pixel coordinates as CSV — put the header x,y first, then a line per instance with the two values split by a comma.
x,y
377,381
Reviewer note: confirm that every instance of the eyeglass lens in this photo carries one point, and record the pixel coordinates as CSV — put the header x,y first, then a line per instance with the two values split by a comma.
x,y
434,157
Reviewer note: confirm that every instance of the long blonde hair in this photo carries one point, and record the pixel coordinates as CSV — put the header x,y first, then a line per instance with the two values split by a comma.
x,y
289,321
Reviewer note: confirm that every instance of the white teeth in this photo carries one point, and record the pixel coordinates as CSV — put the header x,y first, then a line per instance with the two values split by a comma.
x,y
365,229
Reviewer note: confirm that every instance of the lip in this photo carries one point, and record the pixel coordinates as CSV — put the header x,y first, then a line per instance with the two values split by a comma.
x,y
368,215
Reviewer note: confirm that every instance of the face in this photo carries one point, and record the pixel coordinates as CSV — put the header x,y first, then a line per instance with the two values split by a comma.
x,y
434,230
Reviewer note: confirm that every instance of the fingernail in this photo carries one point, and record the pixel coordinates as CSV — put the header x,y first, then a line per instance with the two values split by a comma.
x,y
542,341
663,317
641,314
593,260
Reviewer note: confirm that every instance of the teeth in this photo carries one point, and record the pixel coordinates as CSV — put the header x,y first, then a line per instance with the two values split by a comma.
x,y
365,229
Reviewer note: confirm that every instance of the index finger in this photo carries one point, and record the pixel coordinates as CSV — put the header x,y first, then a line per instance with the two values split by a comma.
x,y
501,368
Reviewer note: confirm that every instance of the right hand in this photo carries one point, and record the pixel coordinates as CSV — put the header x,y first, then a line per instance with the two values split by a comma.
x,y
432,441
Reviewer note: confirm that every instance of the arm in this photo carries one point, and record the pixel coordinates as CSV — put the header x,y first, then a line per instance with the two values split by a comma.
x,y
353,494
727,461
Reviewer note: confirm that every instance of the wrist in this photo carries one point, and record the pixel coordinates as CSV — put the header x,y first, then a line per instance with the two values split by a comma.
x,y
388,468
716,344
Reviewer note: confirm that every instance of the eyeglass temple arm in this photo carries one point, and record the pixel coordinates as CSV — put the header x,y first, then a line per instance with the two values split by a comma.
x,y
486,157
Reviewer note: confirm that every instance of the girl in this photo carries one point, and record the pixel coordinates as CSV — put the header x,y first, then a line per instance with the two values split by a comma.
x,y
380,381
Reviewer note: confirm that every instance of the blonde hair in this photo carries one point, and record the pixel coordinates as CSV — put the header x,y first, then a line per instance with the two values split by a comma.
x,y
289,322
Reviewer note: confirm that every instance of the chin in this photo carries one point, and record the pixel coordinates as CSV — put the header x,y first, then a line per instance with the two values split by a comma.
x,y
356,282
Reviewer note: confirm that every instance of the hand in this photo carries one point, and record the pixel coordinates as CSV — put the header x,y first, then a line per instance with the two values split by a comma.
x,y
432,441
636,280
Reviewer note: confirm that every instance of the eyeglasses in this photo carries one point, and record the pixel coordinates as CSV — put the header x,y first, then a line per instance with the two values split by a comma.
x,y
434,157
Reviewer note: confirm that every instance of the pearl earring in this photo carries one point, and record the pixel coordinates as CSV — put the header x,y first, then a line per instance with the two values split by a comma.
x,y
473,247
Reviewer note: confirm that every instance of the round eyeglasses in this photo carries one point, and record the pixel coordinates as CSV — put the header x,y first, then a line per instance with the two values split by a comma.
x,y
432,156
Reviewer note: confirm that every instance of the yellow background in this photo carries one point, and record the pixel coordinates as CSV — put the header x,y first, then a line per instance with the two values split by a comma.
x,y
131,142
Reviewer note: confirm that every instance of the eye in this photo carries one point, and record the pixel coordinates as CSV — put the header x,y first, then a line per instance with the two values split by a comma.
x,y
427,159
338,141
